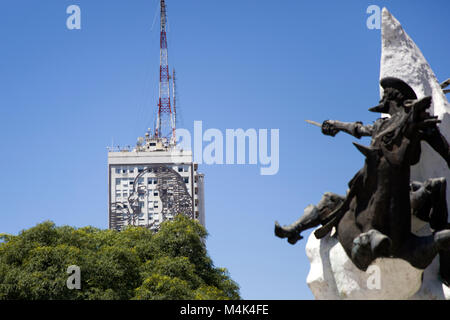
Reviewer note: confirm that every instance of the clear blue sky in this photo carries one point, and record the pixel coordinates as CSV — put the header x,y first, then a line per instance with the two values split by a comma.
x,y
64,95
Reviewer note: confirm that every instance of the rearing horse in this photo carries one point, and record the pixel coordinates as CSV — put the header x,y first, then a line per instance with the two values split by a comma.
x,y
375,218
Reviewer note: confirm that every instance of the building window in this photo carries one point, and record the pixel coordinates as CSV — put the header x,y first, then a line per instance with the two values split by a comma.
x,y
118,170
186,180
117,182
131,170
155,193
140,170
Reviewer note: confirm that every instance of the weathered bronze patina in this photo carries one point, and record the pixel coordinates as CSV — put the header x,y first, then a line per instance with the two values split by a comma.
x,y
374,218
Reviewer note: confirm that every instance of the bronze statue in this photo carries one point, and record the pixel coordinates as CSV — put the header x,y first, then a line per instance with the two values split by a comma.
x,y
374,218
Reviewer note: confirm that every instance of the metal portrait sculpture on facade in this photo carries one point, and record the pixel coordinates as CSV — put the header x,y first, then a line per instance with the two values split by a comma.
x,y
172,191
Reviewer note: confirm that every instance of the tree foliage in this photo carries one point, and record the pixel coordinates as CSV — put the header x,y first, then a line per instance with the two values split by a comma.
x,y
132,264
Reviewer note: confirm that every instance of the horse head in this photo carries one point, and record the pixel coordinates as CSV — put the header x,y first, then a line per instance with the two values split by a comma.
x,y
399,137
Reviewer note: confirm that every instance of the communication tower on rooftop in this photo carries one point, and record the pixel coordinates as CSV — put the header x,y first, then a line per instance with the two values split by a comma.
x,y
155,181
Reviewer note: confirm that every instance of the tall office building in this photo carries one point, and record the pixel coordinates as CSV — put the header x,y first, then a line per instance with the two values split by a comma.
x,y
153,183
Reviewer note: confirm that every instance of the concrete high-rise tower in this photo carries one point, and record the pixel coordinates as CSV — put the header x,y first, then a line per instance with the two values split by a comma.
x,y
155,181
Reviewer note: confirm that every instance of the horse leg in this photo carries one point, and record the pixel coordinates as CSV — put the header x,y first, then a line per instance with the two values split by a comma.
x,y
444,259
310,219
420,199
428,202
368,246
313,216
444,266
362,248
420,251
439,211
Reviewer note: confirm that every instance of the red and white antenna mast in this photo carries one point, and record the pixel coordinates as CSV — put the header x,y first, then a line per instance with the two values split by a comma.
x,y
174,96
165,125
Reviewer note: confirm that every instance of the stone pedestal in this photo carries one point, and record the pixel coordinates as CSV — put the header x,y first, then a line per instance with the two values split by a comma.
x,y
333,276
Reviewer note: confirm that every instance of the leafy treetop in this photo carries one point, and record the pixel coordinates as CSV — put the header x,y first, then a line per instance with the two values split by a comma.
x,y
132,264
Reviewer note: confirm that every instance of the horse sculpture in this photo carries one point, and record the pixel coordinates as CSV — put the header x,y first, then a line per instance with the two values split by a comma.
x,y
374,219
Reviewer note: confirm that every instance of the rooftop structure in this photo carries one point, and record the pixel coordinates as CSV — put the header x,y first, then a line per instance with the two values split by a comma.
x,y
155,181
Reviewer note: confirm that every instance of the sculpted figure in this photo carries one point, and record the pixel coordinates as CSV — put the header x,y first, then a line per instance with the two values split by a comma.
x,y
374,218
398,97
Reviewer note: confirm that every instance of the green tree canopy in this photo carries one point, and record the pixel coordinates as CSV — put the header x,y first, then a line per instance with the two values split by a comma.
x,y
132,264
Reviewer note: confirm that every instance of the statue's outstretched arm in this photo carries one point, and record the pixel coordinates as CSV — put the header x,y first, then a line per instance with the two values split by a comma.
x,y
356,129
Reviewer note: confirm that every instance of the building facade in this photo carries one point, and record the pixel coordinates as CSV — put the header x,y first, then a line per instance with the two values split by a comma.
x,y
152,183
